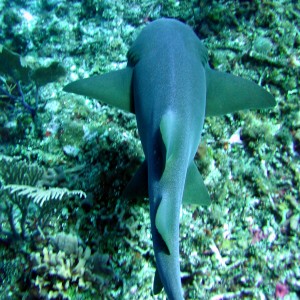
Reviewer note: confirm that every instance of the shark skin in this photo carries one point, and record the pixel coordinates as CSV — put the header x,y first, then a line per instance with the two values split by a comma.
x,y
170,87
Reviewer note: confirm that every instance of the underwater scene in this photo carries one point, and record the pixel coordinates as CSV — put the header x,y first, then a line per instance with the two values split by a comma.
x,y
67,152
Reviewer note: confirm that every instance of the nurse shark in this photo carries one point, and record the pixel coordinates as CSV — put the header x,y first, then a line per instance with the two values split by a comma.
x,y
170,88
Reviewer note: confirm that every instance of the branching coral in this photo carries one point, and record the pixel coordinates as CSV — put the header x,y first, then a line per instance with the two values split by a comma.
x,y
40,195
24,200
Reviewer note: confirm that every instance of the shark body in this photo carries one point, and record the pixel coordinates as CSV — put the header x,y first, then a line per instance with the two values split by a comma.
x,y
170,87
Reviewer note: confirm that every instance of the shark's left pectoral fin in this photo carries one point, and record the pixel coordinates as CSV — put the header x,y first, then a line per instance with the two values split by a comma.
x,y
113,88
195,191
227,93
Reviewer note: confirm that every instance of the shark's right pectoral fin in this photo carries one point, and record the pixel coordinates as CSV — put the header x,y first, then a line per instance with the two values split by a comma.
x,y
195,191
113,88
227,93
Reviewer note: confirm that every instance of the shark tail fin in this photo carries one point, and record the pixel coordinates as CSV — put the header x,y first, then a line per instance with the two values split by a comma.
x,y
195,191
227,93
113,88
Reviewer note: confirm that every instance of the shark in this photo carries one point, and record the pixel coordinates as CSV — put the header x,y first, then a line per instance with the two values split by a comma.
x,y
170,87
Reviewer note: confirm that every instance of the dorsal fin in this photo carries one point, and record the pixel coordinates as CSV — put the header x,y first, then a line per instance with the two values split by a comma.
x,y
167,126
113,88
227,93
165,219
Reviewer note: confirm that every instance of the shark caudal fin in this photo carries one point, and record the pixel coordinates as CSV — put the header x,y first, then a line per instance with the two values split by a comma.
x,y
227,93
113,88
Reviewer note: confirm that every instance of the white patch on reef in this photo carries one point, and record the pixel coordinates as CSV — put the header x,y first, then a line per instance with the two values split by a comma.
x,y
27,15
70,150
74,76
236,137
11,124
88,135
53,106
29,18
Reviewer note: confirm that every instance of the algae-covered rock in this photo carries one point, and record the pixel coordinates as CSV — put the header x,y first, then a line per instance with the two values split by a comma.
x,y
44,75
15,66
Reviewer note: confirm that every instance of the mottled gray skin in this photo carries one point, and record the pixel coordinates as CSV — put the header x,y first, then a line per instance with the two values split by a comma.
x,y
159,90
170,87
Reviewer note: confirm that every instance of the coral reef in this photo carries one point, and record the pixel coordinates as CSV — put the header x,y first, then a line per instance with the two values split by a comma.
x,y
68,266
246,244
16,69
